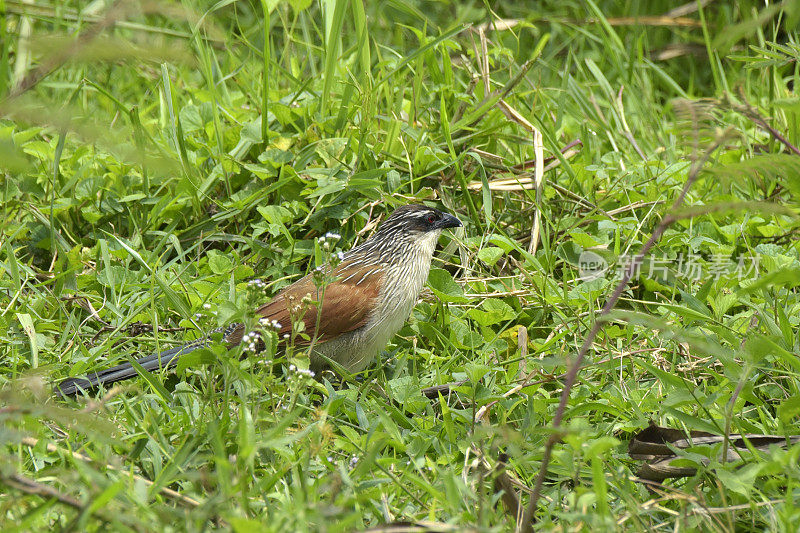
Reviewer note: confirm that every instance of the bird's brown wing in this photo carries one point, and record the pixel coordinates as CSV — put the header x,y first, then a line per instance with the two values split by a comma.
x,y
347,302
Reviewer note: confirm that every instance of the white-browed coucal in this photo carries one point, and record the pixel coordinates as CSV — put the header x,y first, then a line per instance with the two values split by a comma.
x,y
367,298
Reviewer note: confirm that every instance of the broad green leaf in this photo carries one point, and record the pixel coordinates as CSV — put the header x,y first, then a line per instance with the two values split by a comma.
x,y
490,254
218,262
444,287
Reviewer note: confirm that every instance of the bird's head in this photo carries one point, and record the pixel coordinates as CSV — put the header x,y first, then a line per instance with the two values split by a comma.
x,y
418,219
410,229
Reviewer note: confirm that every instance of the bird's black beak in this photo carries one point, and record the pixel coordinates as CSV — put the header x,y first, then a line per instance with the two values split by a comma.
x,y
448,221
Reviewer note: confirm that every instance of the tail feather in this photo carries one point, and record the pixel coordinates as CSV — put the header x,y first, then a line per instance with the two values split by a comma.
x,y
166,359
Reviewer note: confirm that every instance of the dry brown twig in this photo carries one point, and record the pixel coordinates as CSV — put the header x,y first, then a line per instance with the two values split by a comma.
x,y
538,144
522,182
626,130
114,13
672,216
665,21
52,448
751,113
30,486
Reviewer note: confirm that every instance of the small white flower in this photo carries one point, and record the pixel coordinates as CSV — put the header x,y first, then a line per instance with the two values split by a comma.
x,y
206,306
286,335
340,256
332,235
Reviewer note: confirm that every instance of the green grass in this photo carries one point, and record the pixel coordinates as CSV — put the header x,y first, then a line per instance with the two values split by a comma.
x,y
153,163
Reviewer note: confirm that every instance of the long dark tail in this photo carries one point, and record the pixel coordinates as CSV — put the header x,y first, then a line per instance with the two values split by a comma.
x,y
166,359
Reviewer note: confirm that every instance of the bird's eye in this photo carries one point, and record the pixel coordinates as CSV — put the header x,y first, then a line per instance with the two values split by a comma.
x,y
431,218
